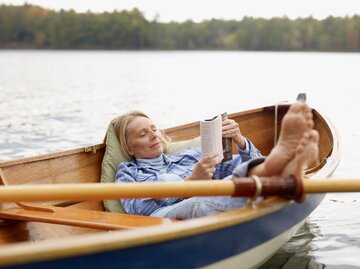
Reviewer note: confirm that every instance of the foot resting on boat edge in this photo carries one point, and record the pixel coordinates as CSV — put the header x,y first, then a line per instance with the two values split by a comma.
x,y
297,146
296,122
306,152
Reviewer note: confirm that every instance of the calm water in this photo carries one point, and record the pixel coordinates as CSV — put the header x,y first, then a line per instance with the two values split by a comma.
x,y
57,100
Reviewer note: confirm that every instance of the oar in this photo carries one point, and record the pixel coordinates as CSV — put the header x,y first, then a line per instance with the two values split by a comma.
x,y
245,187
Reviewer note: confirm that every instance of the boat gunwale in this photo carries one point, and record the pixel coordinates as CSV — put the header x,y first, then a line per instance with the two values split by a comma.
x,y
88,149
53,155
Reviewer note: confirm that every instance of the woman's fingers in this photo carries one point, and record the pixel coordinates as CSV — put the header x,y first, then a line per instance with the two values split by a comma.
x,y
230,128
230,133
227,124
211,170
205,168
209,160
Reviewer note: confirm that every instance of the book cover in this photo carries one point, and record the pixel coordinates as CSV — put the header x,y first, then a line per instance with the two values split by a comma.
x,y
226,143
212,140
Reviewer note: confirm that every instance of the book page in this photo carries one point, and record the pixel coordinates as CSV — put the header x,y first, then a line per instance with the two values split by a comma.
x,y
211,137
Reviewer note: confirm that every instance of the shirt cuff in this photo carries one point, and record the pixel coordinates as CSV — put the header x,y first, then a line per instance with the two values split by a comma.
x,y
247,147
243,169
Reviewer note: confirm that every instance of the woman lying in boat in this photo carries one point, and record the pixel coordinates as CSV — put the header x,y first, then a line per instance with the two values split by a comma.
x,y
145,145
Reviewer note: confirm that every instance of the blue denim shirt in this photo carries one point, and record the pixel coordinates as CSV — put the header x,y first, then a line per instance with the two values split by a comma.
x,y
179,166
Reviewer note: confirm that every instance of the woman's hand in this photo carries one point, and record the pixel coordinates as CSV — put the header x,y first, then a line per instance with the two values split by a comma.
x,y
205,168
231,129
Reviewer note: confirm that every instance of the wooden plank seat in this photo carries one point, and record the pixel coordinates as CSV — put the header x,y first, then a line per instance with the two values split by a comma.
x,y
83,218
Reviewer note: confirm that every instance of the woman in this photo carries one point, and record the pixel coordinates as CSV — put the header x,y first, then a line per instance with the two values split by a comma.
x,y
145,145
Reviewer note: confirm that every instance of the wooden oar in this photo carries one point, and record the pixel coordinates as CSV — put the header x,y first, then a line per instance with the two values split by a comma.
x,y
246,187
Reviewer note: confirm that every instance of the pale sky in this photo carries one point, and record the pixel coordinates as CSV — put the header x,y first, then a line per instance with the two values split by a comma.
x,y
198,10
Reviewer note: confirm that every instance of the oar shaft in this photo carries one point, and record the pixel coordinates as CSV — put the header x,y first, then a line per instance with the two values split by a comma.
x,y
331,185
96,191
243,187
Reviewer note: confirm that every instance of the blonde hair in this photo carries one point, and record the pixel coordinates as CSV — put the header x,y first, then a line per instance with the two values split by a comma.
x,y
121,123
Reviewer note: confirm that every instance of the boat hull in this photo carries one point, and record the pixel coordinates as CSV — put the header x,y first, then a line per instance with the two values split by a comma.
x,y
245,245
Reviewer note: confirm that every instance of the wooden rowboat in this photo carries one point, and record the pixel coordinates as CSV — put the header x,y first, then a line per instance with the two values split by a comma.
x,y
240,238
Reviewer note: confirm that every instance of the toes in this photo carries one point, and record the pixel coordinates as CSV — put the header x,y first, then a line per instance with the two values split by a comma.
x,y
303,109
310,124
297,107
304,141
306,136
309,115
314,136
300,148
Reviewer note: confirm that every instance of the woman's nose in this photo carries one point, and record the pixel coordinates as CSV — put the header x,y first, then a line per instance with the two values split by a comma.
x,y
153,134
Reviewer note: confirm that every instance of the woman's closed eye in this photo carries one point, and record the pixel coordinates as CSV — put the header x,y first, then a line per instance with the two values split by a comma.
x,y
144,132
153,128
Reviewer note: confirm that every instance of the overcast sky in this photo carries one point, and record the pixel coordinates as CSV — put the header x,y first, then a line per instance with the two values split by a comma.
x,y
197,10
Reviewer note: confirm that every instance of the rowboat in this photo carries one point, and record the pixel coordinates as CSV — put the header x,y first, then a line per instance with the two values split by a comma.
x,y
241,238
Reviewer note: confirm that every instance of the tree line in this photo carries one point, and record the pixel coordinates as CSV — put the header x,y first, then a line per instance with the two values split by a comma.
x,y
33,27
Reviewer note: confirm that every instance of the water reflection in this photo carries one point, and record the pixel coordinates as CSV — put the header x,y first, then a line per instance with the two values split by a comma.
x,y
339,243
298,253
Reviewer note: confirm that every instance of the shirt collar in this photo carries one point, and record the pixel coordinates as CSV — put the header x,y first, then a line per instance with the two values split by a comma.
x,y
146,163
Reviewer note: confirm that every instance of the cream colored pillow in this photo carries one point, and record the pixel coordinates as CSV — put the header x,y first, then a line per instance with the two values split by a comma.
x,y
113,157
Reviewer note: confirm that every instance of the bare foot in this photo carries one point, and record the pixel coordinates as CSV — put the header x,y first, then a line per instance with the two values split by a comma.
x,y
296,122
306,152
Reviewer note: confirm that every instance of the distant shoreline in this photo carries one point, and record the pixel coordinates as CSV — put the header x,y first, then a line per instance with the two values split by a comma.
x,y
33,27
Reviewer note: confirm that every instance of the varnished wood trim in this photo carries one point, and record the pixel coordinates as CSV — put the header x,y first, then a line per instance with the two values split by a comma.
x,y
52,155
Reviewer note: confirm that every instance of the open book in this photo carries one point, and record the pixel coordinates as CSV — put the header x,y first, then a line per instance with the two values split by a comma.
x,y
211,138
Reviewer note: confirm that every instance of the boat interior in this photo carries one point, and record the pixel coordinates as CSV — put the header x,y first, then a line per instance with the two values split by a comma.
x,y
21,222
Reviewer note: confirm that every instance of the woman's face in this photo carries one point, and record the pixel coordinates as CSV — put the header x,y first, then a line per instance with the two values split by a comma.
x,y
144,139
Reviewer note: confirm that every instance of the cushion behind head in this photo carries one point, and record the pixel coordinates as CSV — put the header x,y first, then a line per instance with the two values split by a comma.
x,y
113,157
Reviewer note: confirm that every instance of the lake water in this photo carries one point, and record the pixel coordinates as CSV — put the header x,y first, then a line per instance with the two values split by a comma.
x,y
58,100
